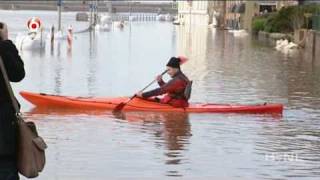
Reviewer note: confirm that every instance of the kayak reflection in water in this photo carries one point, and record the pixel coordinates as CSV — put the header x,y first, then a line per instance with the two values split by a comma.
x,y
172,131
177,90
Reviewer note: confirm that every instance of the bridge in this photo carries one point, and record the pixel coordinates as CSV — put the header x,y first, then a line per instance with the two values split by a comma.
x,y
116,6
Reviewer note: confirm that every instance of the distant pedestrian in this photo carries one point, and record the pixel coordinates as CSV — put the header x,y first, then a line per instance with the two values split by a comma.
x,y
70,37
8,127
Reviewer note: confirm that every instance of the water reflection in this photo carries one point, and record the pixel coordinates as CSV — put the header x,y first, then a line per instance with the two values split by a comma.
x,y
35,111
303,83
171,130
295,144
93,50
69,52
193,43
58,49
92,63
36,53
52,48
57,70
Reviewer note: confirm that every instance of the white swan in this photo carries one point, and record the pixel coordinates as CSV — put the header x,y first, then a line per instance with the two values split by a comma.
x,y
119,24
161,17
176,22
280,44
291,47
240,33
100,27
105,19
169,17
285,46
31,41
105,23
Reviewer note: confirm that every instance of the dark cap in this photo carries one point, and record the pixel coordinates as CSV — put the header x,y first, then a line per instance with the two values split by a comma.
x,y
174,62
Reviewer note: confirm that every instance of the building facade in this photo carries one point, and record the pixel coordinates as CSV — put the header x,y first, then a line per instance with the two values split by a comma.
x,y
264,6
231,14
234,13
195,12
302,2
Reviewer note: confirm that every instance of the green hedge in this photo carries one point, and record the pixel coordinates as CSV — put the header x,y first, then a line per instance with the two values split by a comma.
x,y
286,20
258,25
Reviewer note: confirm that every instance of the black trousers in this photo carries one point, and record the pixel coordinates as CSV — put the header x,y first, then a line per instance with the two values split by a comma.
x,y
8,143
8,170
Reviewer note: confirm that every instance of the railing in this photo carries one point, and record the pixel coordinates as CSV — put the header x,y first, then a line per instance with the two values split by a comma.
x,y
135,17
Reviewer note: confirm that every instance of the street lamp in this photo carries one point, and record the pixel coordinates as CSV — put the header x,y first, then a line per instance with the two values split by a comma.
x,y
59,4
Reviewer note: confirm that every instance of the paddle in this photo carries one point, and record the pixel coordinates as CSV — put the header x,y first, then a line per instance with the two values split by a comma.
x,y
120,106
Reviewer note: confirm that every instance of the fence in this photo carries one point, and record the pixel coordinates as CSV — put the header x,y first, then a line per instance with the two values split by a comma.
x,y
135,17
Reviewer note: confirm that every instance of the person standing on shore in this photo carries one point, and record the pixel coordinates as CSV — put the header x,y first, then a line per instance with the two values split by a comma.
x,y
8,126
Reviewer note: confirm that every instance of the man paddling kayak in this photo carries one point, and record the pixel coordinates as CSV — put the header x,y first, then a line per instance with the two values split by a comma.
x,y
177,90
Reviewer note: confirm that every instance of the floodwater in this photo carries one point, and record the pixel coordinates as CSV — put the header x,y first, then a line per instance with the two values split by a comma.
x,y
98,145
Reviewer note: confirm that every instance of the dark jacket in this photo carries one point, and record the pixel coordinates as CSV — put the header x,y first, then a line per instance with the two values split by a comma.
x,y
15,69
13,63
174,90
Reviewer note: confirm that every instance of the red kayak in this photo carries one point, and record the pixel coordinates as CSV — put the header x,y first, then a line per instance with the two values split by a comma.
x,y
137,104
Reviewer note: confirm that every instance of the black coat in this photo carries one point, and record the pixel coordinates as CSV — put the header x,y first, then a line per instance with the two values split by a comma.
x,y
13,63
15,69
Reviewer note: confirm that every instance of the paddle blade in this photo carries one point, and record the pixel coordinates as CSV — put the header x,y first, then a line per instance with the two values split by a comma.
x,y
183,59
119,107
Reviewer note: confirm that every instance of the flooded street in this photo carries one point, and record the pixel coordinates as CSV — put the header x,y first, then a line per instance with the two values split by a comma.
x,y
224,69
